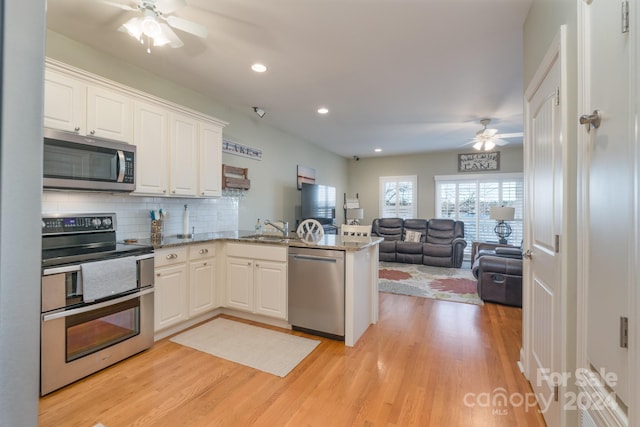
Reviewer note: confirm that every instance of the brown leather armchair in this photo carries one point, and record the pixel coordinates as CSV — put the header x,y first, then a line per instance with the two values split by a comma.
x,y
498,269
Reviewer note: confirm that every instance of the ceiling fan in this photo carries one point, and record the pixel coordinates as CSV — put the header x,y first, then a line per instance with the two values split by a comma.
x,y
487,139
149,23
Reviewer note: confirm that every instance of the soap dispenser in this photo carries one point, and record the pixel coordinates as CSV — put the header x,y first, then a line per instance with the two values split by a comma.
x,y
258,227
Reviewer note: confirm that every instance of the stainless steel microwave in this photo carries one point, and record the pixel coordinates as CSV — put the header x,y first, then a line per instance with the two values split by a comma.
x,y
73,161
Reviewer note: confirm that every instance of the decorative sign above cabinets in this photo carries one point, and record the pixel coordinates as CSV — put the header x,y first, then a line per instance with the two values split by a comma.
x,y
241,150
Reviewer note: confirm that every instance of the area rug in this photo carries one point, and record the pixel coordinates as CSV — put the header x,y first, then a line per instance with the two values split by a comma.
x,y
259,348
450,284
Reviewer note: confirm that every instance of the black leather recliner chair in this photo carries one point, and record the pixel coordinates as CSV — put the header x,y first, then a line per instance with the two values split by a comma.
x,y
499,273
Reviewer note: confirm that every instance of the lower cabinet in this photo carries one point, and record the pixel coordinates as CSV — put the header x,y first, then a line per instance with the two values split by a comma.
x,y
184,283
256,279
171,285
202,279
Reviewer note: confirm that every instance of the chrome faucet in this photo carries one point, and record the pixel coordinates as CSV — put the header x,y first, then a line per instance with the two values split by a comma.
x,y
284,229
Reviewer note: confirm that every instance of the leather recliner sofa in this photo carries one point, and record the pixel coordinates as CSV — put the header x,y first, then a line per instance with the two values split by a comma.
x,y
499,273
440,242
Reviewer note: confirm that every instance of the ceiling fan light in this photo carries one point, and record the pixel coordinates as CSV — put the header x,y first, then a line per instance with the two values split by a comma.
x,y
160,40
489,145
150,27
132,27
478,145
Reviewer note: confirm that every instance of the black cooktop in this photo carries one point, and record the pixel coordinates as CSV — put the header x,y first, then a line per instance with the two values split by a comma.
x,y
76,238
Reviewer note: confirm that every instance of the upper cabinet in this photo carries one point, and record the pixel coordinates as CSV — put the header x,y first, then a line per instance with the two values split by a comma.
x,y
152,141
183,154
210,160
74,105
179,151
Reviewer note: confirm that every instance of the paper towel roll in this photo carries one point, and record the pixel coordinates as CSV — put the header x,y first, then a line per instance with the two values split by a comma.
x,y
185,221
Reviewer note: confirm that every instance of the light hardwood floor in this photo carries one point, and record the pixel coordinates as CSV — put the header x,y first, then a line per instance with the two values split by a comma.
x,y
426,363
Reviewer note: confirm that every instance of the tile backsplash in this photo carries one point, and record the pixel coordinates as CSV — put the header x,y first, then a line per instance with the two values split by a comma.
x,y
206,215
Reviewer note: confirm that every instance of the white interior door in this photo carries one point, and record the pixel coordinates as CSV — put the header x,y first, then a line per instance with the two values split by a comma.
x,y
543,229
607,207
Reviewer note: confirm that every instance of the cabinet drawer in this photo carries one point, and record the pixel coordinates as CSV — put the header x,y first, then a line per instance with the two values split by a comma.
x,y
203,250
258,251
170,256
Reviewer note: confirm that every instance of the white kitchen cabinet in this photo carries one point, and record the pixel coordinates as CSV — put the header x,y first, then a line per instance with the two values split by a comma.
x,y
151,139
75,105
210,160
183,152
256,279
240,283
65,102
270,281
171,287
202,279
179,151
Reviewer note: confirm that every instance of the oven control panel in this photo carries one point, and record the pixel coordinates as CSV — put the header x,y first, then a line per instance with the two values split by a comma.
x,y
60,224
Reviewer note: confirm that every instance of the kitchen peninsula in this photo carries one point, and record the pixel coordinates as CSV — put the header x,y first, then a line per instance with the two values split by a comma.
x,y
246,276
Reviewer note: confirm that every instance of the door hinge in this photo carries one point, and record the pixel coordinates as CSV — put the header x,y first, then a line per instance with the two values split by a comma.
x,y
624,332
556,393
625,16
557,96
557,243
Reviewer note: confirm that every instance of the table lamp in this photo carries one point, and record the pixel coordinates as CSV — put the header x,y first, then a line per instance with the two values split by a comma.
x,y
502,214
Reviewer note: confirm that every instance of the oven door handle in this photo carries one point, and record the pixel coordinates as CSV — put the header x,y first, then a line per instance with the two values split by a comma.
x,y
72,268
67,313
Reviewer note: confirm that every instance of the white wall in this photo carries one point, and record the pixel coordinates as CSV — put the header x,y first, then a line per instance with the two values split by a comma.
x,y
273,192
364,176
22,33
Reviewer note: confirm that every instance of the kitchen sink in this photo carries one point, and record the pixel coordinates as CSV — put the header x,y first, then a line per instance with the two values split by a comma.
x,y
269,238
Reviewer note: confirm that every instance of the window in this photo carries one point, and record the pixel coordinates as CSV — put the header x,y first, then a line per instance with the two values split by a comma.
x,y
398,196
469,199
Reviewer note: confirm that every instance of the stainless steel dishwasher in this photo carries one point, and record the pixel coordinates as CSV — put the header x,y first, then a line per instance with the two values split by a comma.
x,y
316,291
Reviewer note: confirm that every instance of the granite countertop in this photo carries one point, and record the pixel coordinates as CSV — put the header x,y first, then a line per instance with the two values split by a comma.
x,y
329,241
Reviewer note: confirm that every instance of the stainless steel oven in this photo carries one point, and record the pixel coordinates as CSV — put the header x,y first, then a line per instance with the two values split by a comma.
x,y
97,298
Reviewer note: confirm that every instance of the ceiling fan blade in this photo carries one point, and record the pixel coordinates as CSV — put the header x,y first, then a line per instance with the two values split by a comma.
x,y
499,141
510,135
169,6
119,5
170,37
490,132
188,26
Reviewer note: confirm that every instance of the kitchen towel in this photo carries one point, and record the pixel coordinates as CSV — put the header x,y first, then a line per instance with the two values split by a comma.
x,y
109,277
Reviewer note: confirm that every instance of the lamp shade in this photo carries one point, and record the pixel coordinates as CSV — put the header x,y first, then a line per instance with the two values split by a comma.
x,y
355,213
502,213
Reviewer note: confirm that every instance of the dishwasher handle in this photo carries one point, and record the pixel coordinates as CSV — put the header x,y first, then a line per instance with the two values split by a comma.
x,y
313,258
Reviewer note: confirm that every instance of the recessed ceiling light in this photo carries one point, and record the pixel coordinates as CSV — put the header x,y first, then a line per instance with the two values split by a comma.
x,y
259,68
378,150
323,110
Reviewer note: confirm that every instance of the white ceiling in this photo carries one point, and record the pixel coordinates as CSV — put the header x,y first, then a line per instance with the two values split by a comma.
x,y
402,75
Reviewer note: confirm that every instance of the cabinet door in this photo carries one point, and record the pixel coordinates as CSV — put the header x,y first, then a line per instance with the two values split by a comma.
x,y
239,277
64,103
270,279
183,154
210,170
202,278
109,114
150,138
170,296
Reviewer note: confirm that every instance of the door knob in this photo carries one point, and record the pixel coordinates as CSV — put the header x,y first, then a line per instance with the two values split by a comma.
x,y
591,120
528,254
